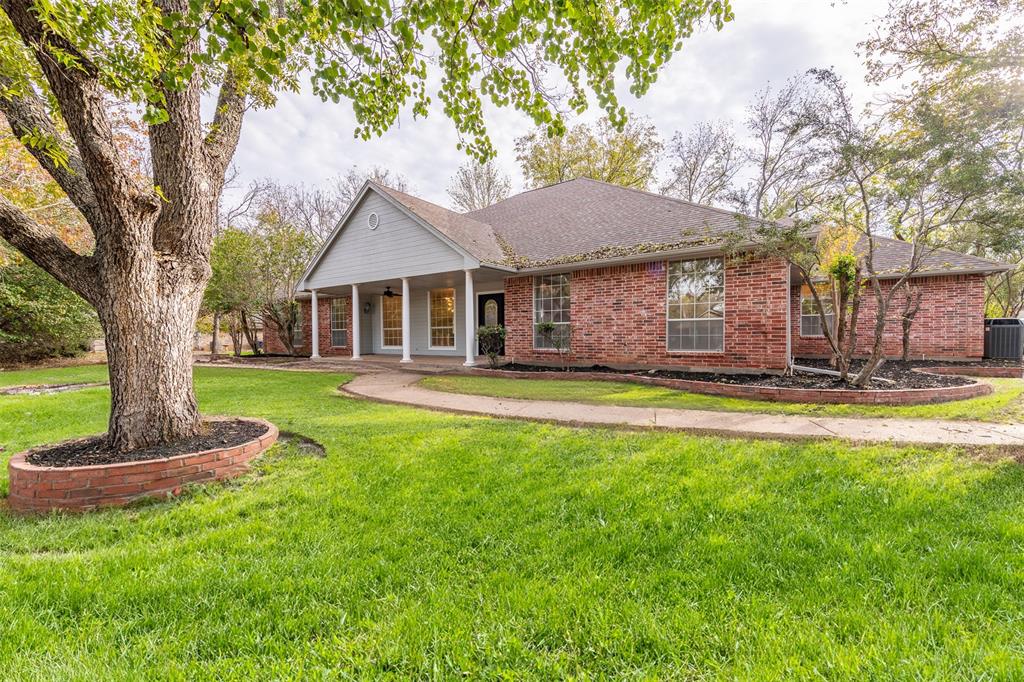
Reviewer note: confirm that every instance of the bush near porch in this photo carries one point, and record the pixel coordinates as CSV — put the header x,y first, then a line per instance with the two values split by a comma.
x,y
432,545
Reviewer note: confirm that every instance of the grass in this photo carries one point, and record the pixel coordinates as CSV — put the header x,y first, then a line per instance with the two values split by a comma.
x,y
1005,404
427,545
82,374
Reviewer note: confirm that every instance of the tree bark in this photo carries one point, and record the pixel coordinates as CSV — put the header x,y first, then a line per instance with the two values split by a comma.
x,y
214,351
149,330
152,257
913,305
249,332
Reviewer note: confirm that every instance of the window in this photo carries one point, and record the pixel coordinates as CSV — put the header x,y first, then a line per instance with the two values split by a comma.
x,y
696,305
551,304
339,322
391,321
810,321
442,318
490,313
297,329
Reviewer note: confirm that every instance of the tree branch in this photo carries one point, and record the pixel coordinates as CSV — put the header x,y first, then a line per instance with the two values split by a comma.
x,y
220,143
26,115
48,251
80,96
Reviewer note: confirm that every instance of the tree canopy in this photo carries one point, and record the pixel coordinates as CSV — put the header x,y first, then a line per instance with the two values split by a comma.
x,y
626,157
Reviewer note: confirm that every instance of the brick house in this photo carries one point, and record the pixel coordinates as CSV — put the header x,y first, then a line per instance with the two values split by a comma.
x,y
629,279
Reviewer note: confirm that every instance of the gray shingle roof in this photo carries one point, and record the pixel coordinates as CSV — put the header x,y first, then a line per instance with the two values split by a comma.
x,y
585,219
584,216
892,257
475,237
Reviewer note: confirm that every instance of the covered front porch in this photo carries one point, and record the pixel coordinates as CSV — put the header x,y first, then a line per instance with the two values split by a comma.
x,y
430,317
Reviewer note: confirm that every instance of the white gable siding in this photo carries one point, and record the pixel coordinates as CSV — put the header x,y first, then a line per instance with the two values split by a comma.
x,y
399,247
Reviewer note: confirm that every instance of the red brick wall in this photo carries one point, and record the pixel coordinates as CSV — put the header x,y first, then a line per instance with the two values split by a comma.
x,y
272,341
619,317
950,324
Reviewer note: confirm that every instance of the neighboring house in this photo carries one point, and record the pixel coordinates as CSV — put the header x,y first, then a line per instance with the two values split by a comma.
x,y
633,279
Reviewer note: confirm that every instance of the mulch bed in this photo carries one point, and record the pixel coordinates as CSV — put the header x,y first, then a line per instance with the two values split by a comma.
x,y
902,375
94,450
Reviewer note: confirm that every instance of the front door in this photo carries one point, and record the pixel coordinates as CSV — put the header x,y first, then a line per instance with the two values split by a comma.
x,y
490,310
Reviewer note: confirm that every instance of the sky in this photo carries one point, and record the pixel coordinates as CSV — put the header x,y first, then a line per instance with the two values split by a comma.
x,y
715,76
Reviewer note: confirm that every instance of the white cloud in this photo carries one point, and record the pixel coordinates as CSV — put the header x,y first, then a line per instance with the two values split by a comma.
x,y
306,140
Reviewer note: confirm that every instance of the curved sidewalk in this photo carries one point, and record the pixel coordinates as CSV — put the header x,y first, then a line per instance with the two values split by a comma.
x,y
401,388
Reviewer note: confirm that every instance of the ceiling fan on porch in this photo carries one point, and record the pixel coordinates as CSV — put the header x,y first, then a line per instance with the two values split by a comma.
x,y
389,293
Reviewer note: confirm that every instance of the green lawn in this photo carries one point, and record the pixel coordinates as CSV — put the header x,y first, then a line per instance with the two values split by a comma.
x,y
1006,404
427,545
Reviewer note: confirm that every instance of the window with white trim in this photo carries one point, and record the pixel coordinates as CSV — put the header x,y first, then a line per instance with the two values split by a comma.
x,y
810,321
442,318
551,304
297,339
339,322
391,321
696,305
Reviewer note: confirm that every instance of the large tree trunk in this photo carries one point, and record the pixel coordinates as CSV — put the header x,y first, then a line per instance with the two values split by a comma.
x,y
149,350
151,260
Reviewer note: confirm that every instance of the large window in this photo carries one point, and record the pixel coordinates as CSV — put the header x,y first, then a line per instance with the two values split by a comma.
x,y
339,322
442,318
391,321
810,321
696,305
551,304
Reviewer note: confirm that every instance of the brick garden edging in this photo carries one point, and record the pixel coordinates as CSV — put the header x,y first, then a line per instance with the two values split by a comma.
x,y
41,489
906,396
980,371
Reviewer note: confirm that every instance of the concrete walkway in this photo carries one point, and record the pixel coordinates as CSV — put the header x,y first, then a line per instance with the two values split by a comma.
x,y
400,387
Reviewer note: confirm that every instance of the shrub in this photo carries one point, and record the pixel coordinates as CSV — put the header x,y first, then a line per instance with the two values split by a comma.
x,y
40,317
491,338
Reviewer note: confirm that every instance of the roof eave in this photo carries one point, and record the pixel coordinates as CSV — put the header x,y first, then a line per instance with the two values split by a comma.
x,y
696,251
939,273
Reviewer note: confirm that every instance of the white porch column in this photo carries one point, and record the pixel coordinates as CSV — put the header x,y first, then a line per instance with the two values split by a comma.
x,y
406,323
470,321
356,313
314,343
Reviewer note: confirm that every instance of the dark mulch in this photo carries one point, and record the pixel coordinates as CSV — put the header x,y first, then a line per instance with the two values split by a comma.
x,y
94,450
901,374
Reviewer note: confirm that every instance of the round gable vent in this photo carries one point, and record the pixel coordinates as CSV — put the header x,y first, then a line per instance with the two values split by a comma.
x,y
373,220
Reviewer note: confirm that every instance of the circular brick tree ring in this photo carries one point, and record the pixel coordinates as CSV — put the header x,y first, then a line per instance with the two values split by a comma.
x,y
82,488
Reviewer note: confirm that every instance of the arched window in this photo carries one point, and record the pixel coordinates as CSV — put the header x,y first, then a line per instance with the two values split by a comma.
x,y
491,313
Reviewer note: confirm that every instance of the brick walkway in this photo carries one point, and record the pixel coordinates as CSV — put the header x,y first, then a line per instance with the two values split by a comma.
x,y
400,387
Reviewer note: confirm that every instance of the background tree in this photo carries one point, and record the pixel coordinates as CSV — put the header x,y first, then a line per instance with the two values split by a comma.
x,y
39,316
478,185
957,74
783,157
235,263
626,156
282,253
61,62
705,162
346,187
